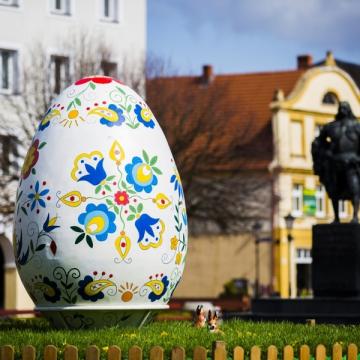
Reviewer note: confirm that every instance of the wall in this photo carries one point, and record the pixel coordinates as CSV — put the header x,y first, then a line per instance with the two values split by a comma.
x,y
214,260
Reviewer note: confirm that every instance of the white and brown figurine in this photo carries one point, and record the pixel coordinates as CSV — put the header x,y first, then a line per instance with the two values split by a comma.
x,y
213,323
200,317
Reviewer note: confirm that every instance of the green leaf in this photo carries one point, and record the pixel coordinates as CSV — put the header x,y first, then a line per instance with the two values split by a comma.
x,y
109,202
153,160
109,178
123,184
177,229
145,156
24,210
40,247
176,219
97,189
128,109
68,286
132,208
130,217
121,90
42,144
70,105
73,300
77,229
31,246
131,191
33,171
116,209
19,196
140,208
136,126
80,238
107,187
157,170
89,241
78,102
92,85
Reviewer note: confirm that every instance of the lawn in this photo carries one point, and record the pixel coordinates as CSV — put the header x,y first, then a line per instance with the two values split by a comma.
x,y
37,332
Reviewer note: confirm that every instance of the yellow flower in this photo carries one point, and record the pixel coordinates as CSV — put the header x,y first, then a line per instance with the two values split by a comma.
x,y
133,335
164,333
105,348
174,242
178,258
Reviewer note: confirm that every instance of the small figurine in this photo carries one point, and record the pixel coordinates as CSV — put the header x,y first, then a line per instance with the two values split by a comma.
x,y
200,318
212,323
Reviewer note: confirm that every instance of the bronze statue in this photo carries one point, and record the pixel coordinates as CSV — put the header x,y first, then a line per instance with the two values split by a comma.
x,y
336,155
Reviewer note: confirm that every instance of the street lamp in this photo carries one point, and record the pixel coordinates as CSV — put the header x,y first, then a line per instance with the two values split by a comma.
x,y
256,228
289,222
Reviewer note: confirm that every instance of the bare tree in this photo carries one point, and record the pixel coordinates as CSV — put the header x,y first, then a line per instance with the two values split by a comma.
x,y
20,113
199,121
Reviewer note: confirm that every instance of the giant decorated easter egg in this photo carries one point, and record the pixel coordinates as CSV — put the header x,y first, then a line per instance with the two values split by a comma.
x,y
100,232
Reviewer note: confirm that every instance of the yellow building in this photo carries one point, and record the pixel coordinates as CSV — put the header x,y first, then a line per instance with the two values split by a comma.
x,y
297,119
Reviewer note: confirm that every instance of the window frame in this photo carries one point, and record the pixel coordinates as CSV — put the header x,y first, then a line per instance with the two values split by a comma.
x,y
115,18
67,73
10,3
320,196
13,71
66,11
299,121
343,209
297,194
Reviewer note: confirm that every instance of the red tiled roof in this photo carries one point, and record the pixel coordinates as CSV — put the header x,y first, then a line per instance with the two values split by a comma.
x,y
248,128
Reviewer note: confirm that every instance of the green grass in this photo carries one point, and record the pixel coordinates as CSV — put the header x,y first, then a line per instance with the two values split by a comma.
x,y
38,333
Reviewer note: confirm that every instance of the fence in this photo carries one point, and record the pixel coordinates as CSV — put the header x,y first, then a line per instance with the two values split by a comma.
x,y
219,352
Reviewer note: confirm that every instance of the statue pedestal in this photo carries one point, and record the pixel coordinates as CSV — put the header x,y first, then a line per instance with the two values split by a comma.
x,y
336,260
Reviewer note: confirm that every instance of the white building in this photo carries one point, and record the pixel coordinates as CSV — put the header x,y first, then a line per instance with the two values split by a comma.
x,y
58,28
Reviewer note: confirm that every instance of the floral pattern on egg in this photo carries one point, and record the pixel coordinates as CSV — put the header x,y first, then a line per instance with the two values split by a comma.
x,y
100,212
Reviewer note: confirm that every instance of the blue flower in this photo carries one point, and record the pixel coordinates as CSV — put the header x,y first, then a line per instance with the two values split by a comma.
x,y
45,122
175,179
36,197
95,175
50,291
117,113
49,224
150,231
141,175
98,221
144,115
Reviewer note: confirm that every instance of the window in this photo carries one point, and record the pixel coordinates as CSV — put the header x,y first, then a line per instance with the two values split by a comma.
x,y
297,200
60,73
60,7
296,138
320,201
109,68
110,10
9,2
8,71
343,213
330,98
303,256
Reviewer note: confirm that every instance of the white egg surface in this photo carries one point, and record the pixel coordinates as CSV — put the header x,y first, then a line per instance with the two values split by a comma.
x,y
100,214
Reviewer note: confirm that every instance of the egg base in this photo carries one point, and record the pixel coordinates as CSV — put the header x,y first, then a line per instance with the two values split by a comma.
x,y
81,317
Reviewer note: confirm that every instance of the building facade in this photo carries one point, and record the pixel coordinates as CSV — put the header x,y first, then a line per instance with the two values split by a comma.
x,y
48,36
297,120
276,116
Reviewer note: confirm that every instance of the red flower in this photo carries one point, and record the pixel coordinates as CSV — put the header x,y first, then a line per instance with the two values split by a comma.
x,y
31,159
121,198
97,80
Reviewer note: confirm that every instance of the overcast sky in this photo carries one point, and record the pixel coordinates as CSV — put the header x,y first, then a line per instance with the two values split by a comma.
x,y
251,35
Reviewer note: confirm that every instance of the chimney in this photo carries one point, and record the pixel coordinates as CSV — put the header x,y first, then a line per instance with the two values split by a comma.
x,y
207,74
304,61
330,60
